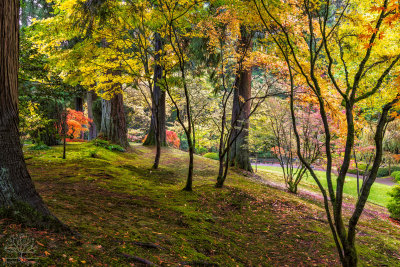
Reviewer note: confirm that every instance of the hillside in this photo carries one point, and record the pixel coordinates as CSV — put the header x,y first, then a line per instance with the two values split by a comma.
x,y
126,213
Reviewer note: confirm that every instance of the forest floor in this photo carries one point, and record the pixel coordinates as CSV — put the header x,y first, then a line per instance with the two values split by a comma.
x,y
126,212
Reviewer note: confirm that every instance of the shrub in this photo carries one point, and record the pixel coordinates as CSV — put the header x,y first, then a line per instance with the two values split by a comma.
x,y
115,148
394,203
382,172
396,175
100,143
105,144
211,156
40,146
201,150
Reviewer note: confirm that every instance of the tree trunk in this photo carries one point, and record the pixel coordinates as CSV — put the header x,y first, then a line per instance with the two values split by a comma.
x,y
79,107
113,122
158,100
220,178
189,181
91,97
240,154
16,185
79,103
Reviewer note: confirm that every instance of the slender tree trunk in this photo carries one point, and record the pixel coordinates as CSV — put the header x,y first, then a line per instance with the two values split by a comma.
x,y
64,132
240,154
91,97
16,185
113,122
220,178
189,180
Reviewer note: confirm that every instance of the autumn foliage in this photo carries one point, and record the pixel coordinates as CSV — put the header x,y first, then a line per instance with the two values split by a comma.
x,y
76,122
172,139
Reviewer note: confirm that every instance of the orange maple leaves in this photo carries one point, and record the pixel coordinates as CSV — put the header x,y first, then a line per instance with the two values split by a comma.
x,y
76,121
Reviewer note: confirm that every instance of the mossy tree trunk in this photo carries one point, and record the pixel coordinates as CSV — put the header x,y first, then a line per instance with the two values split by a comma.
x,y
113,121
239,154
158,116
16,185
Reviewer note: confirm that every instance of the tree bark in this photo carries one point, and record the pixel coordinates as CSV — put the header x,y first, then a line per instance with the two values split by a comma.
x,y
240,154
16,185
79,103
158,101
113,121
91,97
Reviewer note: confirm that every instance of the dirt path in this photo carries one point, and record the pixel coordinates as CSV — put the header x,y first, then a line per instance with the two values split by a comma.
x,y
386,181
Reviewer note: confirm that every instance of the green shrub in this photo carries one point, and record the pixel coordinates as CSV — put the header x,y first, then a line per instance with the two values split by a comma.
x,y
201,150
105,144
101,143
211,155
115,148
40,146
394,203
382,172
396,175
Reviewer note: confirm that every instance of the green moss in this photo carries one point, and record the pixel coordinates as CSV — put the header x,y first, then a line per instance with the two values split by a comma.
x,y
211,155
116,198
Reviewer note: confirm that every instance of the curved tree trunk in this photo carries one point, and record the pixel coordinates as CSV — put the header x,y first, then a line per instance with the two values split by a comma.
x,y
16,185
240,155
113,121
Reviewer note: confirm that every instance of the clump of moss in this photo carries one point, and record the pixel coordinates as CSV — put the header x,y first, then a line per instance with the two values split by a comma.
x,y
106,144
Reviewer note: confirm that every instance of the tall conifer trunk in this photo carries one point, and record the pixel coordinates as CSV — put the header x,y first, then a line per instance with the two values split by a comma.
x,y
113,122
16,185
240,155
91,97
158,100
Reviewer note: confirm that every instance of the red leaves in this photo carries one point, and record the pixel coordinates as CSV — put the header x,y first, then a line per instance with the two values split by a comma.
x,y
173,139
76,121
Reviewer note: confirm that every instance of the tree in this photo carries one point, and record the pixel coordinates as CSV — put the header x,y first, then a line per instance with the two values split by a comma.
x,y
176,15
310,132
16,186
156,134
240,154
328,48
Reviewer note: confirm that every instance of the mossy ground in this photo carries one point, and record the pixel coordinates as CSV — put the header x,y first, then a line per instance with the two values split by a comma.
x,y
115,199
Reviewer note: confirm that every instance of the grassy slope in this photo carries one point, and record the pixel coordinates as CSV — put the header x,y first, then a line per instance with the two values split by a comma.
x,y
378,195
116,198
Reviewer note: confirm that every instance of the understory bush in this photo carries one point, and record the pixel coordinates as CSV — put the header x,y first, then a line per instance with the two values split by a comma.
x,y
382,172
394,204
39,146
211,155
396,175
